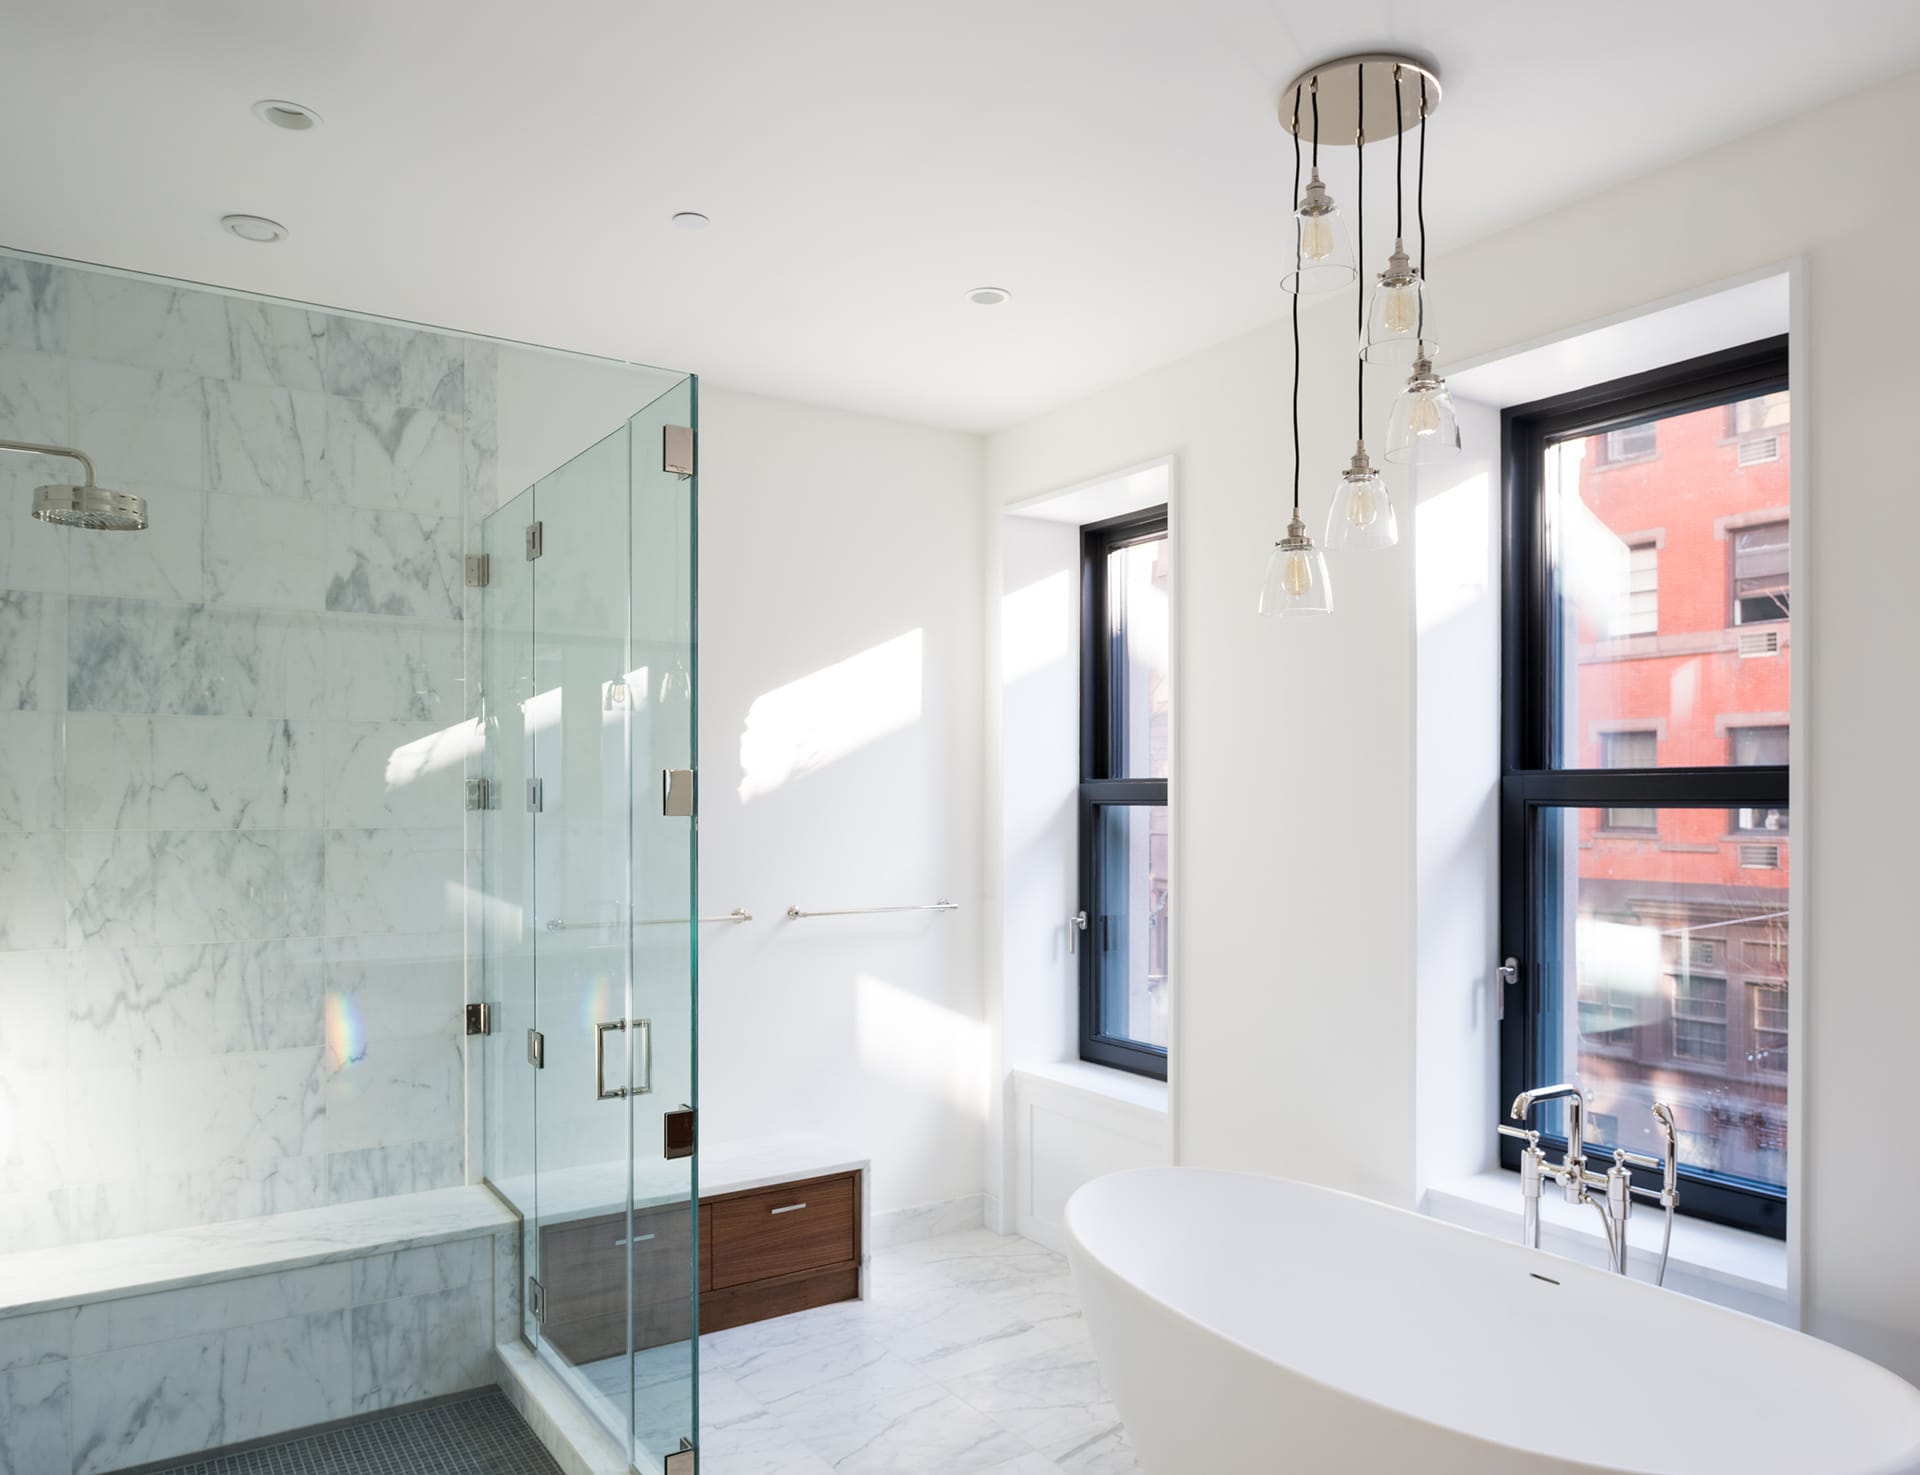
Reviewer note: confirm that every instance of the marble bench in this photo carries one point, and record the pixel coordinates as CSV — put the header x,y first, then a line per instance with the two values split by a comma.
x,y
121,1353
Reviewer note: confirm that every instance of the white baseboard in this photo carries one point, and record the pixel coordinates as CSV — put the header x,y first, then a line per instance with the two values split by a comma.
x,y
903,1226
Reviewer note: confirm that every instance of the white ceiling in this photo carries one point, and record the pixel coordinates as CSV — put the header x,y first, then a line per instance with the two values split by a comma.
x,y
510,168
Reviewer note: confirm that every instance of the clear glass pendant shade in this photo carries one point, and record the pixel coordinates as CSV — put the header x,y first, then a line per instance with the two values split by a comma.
x,y
1396,314
1322,253
1422,427
1296,581
1362,513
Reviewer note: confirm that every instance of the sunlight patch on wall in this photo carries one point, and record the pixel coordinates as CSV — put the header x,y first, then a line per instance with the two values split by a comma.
x,y
805,725
448,748
1035,625
920,1044
1451,550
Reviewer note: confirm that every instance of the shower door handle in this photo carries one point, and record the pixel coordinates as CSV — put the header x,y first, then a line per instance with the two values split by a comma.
x,y
643,1045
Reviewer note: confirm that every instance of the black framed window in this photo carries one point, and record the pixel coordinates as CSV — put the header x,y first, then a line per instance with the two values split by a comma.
x,y
1125,711
1645,857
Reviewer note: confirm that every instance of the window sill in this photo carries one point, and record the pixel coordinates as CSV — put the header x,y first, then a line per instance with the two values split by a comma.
x,y
1121,1086
1730,1267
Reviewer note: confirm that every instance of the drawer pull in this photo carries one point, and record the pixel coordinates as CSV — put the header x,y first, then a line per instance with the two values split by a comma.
x,y
789,1209
638,1239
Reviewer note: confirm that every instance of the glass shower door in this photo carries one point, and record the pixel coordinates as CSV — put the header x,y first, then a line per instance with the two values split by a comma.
x,y
589,665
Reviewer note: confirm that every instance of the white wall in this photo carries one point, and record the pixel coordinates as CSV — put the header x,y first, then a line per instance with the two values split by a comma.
x,y
840,752
1299,1011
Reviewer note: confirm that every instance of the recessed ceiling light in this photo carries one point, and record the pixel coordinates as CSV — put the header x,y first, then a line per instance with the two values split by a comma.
x,y
293,116
988,296
256,228
691,220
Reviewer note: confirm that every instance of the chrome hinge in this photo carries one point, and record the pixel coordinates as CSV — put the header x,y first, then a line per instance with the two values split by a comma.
x,y
685,1460
536,540
479,793
679,793
479,1019
536,795
479,570
536,1049
536,1299
676,449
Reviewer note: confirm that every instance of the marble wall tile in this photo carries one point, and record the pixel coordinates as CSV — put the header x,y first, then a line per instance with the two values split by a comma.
x,y
182,886
33,651
33,304
424,1270
276,344
260,552
34,1421
234,1188
145,429
398,986
241,1109
381,361
265,440
218,1306
33,1001
286,1375
392,563
383,775
37,1337
31,772
31,1130
33,887
231,773
132,656
391,456
393,1092
33,407
421,1347
184,1003
506,1286
33,554
122,320
108,775
380,670
148,1403
167,561
391,881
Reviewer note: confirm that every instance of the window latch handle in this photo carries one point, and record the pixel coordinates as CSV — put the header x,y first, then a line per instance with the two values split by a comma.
x,y
1508,972
1076,924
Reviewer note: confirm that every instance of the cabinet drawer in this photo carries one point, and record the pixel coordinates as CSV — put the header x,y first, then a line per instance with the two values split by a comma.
x,y
583,1263
780,1231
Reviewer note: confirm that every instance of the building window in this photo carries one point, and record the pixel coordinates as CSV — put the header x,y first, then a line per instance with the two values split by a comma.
x,y
1125,713
1769,1026
1630,443
1760,573
1625,945
1638,609
1699,1018
1752,747
1628,750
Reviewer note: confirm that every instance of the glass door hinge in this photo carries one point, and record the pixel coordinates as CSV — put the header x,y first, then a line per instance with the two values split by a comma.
x,y
677,449
679,1132
536,1299
536,1049
479,570
685,1460
479,793
479,1019
536,795
536,540
679,797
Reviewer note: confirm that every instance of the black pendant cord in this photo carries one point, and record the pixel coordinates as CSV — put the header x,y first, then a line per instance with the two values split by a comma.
x,y
1399,164
1360,252
1297,264
1314,88
1420,185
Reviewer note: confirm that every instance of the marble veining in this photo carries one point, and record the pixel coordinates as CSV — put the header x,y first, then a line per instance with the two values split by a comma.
x,y
33,305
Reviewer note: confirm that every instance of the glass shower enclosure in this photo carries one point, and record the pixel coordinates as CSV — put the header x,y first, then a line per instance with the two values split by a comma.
x,y
588,849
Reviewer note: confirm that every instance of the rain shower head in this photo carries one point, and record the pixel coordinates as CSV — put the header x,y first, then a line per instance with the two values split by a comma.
x,y
86,505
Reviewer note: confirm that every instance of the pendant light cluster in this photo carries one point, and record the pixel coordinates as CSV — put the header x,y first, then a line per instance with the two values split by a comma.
x,y
1391,319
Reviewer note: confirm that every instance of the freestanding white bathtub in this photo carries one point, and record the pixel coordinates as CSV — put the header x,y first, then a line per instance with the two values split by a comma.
x,y
1249,1325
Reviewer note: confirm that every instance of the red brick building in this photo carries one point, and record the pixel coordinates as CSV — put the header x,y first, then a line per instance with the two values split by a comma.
x,y
1673,554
